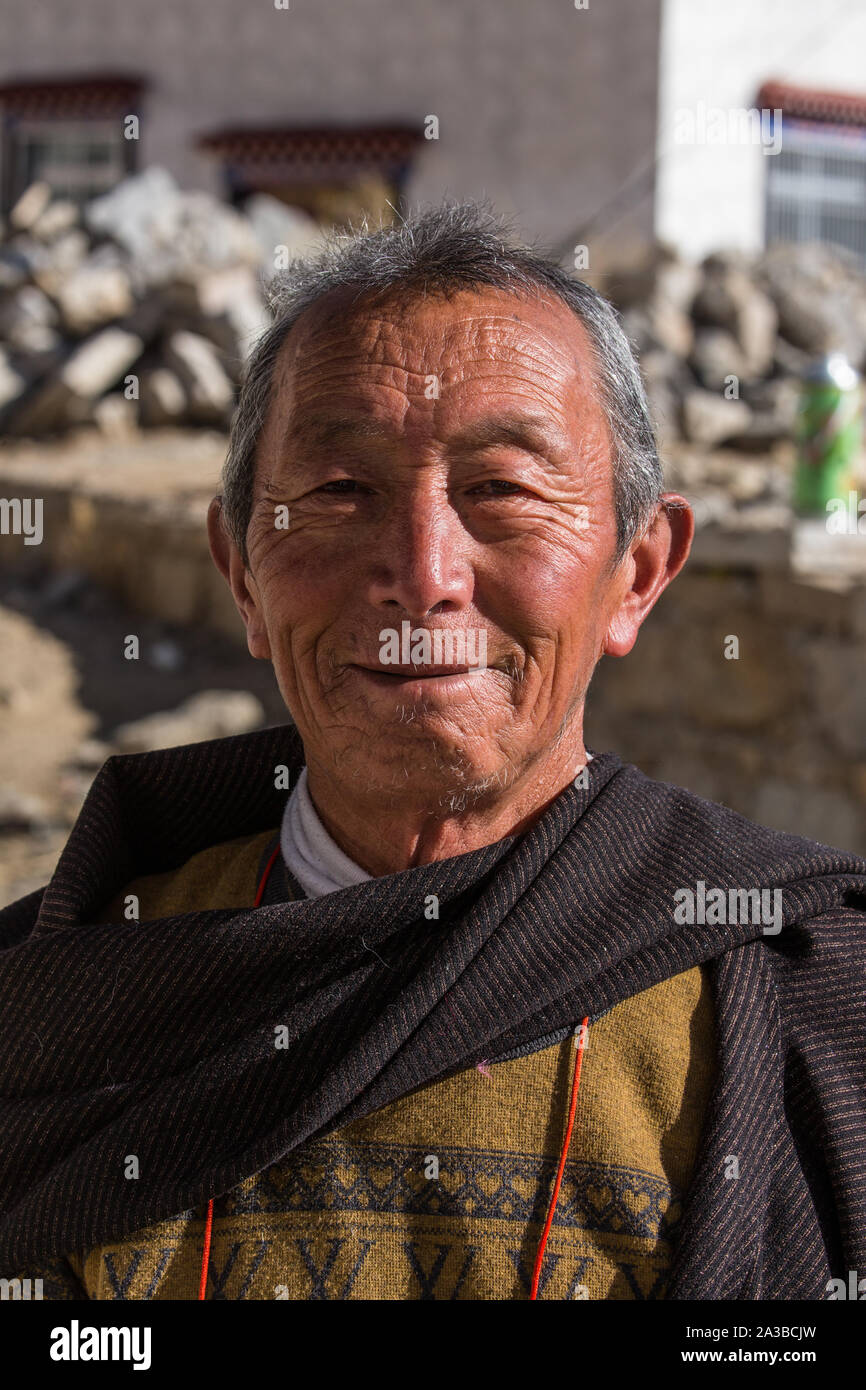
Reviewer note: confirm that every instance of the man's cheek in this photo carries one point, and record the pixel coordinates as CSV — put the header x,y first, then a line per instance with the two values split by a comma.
x,y
559,596
266,537
295,656
287,589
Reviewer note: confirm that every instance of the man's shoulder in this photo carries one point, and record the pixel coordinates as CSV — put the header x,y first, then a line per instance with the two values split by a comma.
x,y
672,839
224,875
679,812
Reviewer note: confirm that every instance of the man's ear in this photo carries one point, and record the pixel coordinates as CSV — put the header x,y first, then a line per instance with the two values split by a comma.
x,y
230,564
655,559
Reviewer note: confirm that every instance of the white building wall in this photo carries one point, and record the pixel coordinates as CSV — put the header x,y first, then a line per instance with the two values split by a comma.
x,y
719,52
546,108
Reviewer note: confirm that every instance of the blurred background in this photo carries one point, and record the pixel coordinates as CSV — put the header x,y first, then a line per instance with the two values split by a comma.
x,y
703,164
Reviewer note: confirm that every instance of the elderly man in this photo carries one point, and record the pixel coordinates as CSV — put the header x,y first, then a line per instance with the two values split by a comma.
x,y
415,997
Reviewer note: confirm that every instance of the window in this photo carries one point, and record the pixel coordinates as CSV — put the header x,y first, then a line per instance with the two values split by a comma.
x,y
69,132
816,187
336,174
78,159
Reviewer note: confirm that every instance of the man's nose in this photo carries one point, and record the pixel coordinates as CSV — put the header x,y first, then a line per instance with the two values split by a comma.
x,y
422,560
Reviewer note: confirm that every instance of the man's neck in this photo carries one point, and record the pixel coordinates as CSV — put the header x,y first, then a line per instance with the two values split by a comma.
x,y
384,834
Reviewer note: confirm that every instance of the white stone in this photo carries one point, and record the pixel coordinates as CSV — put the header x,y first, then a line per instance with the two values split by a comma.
x,y
12,383
196,362
275,224
212,714
57,218
163,399
30,206
98,363
93,296
708,418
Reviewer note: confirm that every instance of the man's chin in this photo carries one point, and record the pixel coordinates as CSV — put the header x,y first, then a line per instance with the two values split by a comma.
x,y
422,763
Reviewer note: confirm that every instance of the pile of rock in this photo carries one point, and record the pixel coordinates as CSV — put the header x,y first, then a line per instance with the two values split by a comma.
x,y
139,309
723,345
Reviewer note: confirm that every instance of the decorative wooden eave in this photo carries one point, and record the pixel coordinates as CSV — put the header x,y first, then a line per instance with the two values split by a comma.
x,y
311,153
72,98
813,104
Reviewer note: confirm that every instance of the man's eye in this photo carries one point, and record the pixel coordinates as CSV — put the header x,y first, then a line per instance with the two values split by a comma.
x,y
338,485
501,487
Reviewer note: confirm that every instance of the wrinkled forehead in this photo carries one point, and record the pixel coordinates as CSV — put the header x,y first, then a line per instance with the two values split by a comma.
x,y
468,341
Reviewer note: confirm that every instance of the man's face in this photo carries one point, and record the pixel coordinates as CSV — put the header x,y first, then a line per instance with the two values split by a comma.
x,y
446,464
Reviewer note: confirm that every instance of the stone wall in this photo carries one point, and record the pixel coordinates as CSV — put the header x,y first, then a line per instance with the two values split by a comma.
x,y
130,515
779,733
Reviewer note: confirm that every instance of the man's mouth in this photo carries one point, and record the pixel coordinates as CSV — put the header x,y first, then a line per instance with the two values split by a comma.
x,y
410,672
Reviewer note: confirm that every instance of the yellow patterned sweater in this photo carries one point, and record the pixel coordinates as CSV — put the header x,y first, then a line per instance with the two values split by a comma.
x,y
443,1194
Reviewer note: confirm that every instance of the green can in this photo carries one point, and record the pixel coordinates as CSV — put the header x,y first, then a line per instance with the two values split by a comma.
x,y
829,434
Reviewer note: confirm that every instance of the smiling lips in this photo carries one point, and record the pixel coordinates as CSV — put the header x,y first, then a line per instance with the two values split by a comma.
x,y
417,672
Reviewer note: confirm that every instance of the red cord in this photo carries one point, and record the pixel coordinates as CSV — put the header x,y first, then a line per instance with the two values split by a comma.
x,y
208,1228
208,1225
578,1062
265,876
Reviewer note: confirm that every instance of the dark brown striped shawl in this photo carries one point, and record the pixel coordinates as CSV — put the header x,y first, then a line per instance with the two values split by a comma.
x,y
158,1039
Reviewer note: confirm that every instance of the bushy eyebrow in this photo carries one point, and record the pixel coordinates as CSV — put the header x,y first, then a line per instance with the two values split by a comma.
x,y
331,429
535,434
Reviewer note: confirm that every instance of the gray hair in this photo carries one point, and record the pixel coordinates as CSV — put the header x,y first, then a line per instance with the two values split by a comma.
x,y
457,246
